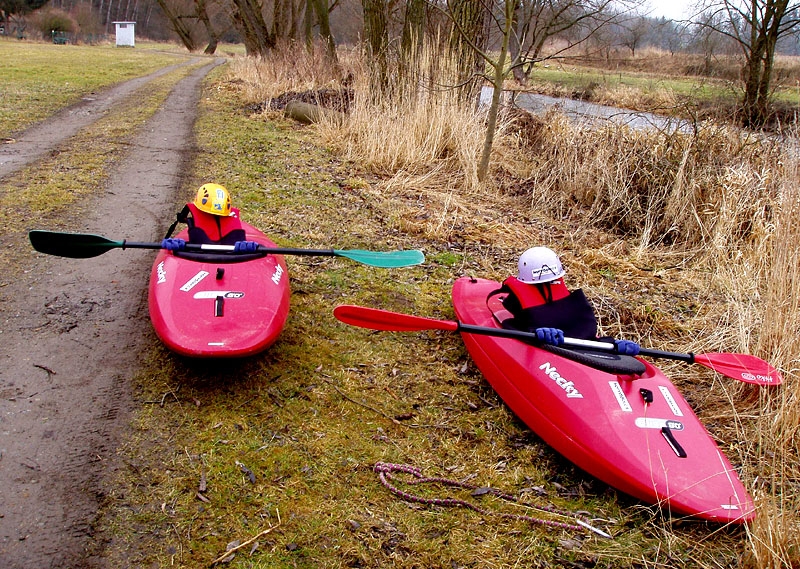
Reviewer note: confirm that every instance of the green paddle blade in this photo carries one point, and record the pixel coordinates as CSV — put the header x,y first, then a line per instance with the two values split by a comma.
x,y
383,259
72,245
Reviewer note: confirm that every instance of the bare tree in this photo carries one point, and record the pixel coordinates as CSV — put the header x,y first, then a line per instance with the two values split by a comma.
x,y
260,23
671,35
497,80
9,8
755,26
522,28
538,22
413,28
467,43
503,13
634,32
287,17
205,19
180,17
248,16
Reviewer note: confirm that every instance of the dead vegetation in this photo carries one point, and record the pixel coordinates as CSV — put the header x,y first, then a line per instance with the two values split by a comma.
x,y
682,242
683,238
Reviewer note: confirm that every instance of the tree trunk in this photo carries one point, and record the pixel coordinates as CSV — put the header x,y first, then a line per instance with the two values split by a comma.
x,y
760,54
323,17
413,29
469,19
498,79
515,49
202,15
257,38
108,13
411,42
376,38
308,24
281,13
178,26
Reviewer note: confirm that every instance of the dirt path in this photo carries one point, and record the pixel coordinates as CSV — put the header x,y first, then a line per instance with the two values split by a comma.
x,y
72,333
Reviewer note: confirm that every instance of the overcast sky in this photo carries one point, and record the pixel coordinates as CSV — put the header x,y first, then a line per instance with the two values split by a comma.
x,y
674,9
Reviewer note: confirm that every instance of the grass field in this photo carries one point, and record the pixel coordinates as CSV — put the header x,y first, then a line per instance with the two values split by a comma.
x,y
38,78
674,240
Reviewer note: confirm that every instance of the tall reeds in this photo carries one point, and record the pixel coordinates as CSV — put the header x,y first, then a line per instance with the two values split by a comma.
x,y
776,263
420,126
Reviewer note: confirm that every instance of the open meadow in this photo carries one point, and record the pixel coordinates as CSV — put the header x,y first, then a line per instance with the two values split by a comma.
x,y
684,242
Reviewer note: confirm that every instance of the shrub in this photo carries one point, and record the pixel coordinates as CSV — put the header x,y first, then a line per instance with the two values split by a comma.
x,y
48,21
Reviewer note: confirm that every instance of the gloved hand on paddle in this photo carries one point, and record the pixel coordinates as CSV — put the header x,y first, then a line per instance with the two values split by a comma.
x,y
552,336
626,347
245,247
172,244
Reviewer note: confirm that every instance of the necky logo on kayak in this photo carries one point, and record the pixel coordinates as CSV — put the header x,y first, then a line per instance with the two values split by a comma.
x,y
161,273
569,387
192,282
276,278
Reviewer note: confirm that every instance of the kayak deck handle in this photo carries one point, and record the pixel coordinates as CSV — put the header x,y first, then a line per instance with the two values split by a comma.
x,y
673,442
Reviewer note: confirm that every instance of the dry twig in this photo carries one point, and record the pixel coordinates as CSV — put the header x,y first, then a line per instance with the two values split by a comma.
x,y
233,550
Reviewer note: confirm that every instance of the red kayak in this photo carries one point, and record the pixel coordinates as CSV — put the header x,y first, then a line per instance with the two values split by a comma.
x,y
632,430
214,305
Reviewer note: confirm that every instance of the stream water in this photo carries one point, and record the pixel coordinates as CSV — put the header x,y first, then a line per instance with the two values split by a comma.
x,y
585,113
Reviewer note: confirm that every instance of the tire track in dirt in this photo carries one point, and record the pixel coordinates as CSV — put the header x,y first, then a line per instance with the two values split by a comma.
x,y
73,332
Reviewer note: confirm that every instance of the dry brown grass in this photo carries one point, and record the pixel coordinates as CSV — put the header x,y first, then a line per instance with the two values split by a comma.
x,y
662,63
771,278
645,219
292,68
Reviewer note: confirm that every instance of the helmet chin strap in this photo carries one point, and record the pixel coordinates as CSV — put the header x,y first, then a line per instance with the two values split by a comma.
x,y
546,291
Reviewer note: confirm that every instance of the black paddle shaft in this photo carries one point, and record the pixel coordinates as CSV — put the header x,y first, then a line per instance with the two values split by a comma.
x,y
529,336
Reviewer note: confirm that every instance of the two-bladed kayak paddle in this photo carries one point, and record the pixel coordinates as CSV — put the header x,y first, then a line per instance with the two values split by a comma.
x,y
84,246
741,367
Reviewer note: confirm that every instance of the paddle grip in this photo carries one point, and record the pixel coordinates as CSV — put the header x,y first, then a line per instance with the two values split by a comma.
x,y
497,332
139,245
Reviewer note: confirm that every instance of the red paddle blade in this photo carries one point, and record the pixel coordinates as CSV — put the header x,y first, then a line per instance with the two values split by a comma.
x,y
376,319
743,367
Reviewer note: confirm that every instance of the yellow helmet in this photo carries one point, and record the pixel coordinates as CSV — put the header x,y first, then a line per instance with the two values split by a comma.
x,y
213,199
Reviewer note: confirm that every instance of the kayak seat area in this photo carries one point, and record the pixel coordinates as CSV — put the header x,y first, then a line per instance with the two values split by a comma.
x,y
204,257
604,361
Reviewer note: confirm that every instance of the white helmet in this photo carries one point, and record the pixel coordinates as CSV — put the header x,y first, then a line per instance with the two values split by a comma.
x,y
539,265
